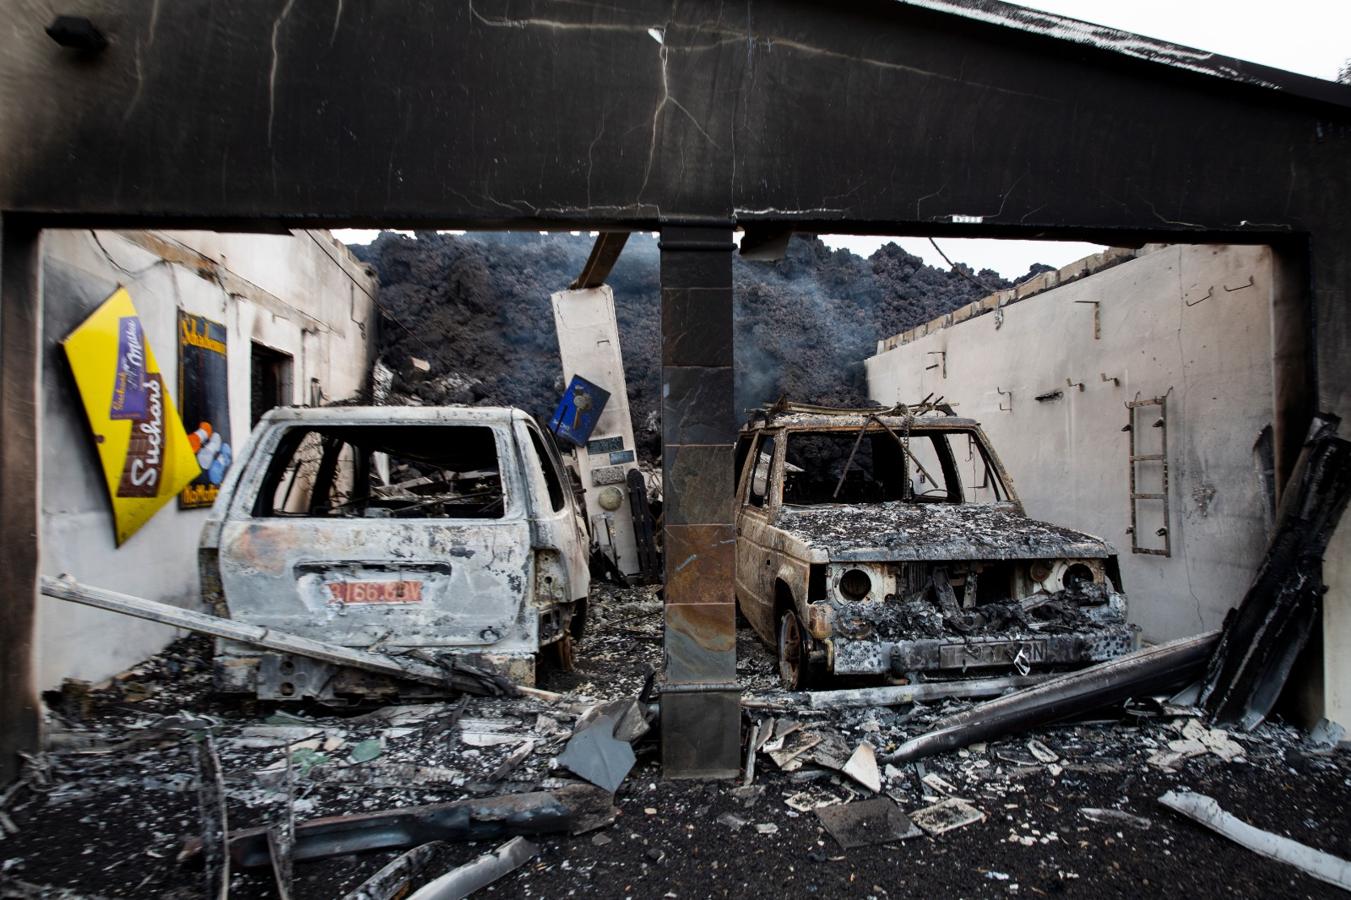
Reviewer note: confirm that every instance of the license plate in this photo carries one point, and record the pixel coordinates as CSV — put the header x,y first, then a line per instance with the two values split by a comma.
x,y
375,592
993,653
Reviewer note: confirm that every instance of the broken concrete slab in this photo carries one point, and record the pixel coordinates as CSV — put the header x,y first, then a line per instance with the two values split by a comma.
x,y
866,822
631,720
947,815
795,745
862,767
594,753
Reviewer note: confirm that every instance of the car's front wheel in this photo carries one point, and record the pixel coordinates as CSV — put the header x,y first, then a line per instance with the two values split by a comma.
x,y
794,655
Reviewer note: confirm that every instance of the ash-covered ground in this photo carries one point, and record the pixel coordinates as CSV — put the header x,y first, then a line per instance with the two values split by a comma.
x,y
476,309
105,811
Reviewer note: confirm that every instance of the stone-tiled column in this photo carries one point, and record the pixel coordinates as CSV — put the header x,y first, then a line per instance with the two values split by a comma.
x,y
700,705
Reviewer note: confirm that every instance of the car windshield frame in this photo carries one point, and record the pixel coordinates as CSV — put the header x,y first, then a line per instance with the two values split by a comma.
x,y
882,435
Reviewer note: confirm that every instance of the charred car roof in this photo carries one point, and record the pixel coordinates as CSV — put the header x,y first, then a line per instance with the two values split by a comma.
x,y
897,531
803,417
386,415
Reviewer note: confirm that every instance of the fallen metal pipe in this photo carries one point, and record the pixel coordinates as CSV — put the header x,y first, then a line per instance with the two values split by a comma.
x,y
1203,809
905,694
392,881
463,881
467,679
1146,671
574,808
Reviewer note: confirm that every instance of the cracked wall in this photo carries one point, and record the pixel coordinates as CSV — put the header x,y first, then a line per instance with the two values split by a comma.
x,y
1191,322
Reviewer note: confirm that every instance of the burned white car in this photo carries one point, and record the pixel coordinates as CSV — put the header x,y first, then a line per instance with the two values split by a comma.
x,y
448,533
880,542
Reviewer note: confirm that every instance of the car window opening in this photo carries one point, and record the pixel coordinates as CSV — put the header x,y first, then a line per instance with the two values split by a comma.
x,y
422,472
875,466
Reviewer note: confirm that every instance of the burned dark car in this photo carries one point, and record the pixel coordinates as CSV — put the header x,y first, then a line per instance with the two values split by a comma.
x,y
891,542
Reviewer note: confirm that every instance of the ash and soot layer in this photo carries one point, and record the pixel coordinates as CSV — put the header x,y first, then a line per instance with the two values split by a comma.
x,y
1063,811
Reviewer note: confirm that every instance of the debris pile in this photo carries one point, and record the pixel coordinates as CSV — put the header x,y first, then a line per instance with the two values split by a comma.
x,y
563,796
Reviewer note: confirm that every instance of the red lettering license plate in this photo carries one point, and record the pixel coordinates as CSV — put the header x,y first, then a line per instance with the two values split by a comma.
x,y
352,592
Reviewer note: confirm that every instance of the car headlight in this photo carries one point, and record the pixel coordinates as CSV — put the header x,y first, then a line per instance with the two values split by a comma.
x,y
855,584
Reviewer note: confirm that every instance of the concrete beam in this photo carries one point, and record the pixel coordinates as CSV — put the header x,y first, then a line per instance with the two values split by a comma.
x,y
701,709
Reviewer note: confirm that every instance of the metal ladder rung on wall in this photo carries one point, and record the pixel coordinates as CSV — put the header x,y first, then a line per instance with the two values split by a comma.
x,y
1160,495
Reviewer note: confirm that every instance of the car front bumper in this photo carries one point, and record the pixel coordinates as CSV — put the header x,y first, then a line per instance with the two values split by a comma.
x,y
1021,652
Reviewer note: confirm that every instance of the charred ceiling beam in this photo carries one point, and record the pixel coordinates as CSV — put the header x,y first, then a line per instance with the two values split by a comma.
x,y
733,113
604,254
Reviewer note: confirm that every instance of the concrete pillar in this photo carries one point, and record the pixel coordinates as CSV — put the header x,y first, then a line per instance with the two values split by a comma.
x,y
700,702
20,387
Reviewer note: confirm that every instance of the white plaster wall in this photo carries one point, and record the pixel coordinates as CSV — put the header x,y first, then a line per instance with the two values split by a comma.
x,y
320,317
1337,627
1189,322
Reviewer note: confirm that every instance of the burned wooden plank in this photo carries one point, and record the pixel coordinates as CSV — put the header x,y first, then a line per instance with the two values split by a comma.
x,y
604,254
1263,637
215,826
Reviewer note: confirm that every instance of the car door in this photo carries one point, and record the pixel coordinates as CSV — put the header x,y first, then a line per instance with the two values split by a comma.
x,y
755,557
560,525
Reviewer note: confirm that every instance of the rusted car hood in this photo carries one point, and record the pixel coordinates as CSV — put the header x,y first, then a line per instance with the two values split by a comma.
x,y
902,532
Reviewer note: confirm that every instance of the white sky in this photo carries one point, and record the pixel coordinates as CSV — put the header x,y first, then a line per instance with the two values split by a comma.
x,y
1312,37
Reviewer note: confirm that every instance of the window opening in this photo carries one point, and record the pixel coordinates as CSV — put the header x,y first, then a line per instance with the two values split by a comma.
x,y
358,471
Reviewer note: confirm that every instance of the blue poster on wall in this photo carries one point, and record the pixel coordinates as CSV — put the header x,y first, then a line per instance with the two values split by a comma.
x,y
578,411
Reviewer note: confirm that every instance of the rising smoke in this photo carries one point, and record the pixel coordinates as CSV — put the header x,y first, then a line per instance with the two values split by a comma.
x,y
476,309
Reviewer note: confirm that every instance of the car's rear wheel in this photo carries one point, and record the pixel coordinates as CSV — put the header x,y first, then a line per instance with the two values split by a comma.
x,y
560,654
793,652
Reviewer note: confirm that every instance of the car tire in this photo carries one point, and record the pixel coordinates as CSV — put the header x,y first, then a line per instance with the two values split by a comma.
x,y
560,655
794,653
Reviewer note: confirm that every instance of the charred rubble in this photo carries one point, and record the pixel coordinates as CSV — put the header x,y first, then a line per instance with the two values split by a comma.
x,y
113,806
466,318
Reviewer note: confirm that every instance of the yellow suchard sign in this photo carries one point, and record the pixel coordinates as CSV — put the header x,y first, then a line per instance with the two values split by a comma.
x,y
140,439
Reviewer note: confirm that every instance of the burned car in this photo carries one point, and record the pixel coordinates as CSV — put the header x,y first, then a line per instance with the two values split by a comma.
x,y
886,542
449,533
